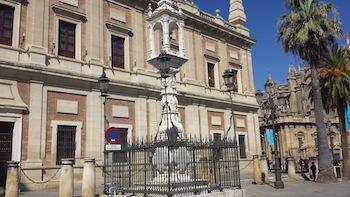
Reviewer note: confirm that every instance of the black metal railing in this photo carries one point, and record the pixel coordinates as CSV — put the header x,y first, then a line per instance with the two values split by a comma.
x,y
173,168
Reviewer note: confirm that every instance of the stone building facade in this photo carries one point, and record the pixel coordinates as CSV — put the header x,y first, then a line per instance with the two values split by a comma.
x,y
295,118
53,51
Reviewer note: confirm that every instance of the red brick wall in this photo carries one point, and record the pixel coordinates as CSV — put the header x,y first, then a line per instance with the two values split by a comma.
x,y
24,92
244,129
52,114
215,127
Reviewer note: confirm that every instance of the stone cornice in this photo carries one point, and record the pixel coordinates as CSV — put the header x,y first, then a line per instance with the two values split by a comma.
x,y
69,12
205,25
89,82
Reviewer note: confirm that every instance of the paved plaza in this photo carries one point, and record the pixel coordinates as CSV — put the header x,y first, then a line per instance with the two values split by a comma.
x,y
292,189
300,189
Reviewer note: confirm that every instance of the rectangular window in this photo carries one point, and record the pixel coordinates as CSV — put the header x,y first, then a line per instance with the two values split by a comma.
x,y
66,39
211,75
242,151
6,24
65,142
122,155
118,52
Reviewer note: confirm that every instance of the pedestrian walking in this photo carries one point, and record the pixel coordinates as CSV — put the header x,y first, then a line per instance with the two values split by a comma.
x,y
313,170
301,164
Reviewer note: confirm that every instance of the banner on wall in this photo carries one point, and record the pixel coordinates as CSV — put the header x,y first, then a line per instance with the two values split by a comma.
x,y
269,136
347,119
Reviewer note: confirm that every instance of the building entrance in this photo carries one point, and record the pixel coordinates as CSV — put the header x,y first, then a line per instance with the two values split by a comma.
x,y
6,132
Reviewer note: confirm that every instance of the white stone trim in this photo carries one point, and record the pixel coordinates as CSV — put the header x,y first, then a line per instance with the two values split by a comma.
x,y
16,135
78,35
54,125
71,2
239,76
16,20
126,37
238,133
124,126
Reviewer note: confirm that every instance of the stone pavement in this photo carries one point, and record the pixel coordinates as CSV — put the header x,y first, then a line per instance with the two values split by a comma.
x,y
300,189
292,189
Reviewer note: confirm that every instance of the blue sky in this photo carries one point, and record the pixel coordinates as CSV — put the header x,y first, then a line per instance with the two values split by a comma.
x,y
262,16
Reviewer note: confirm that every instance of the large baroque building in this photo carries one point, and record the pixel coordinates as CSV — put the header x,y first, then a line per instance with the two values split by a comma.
x,y
295,119
53,51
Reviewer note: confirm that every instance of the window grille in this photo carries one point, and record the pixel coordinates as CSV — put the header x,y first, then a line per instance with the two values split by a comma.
x,y
65,142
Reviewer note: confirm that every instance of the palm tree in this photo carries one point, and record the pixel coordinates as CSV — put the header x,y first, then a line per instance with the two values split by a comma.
x,y
307,29
335,85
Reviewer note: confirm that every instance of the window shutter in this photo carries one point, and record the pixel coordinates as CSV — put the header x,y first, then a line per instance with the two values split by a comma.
x,y
118,52
66,38
6,24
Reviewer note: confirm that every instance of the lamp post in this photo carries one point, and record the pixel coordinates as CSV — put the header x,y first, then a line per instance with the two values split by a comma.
x,y
269,90
230,83
103,83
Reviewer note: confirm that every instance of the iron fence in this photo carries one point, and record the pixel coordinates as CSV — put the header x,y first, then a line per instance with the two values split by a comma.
x,y
172,168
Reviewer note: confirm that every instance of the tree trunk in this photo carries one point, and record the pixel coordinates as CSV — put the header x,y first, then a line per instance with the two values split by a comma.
x,y
344,140
325,165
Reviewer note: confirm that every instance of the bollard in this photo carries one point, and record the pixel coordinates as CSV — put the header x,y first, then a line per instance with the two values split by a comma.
x,y
291,169
12,178
264,169
256,169
66,188
89,182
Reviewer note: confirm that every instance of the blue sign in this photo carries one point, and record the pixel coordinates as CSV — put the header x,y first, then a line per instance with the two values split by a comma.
x,y
113,136
347,119
270,137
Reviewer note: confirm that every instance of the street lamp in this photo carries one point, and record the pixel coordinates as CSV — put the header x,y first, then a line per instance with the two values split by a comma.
x,y
103,83
230,83
269,90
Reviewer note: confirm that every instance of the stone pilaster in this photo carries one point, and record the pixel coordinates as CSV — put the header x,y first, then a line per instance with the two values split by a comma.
x,y
94,33
37,30
141,117
204,127
94,124
35,121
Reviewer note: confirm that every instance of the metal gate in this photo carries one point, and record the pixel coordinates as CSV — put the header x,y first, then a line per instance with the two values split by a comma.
x,y
65,142
170,168
6,133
